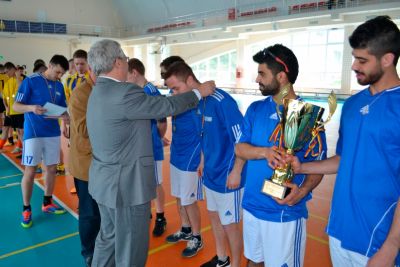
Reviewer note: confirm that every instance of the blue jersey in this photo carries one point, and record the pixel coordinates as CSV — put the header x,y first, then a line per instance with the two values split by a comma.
x,y
37,90
221,122
259,122
367,186
158,151
185,145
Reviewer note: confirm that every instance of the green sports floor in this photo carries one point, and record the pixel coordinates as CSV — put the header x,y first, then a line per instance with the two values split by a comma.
x,y
52,240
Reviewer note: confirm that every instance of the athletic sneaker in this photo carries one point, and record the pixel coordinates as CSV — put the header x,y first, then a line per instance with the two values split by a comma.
x,y
159,227
16,150
214,262
26,220
179,236
53,209
192,247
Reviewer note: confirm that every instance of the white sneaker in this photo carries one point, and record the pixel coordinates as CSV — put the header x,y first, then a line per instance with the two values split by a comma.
x,y
16,150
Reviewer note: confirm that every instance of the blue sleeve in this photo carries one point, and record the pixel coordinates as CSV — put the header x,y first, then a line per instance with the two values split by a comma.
x,y
24,92
61,101
339,144
151,91
233,119
247,126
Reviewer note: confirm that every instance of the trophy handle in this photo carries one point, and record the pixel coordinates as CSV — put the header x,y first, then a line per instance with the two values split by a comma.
x,y
332,102
279,98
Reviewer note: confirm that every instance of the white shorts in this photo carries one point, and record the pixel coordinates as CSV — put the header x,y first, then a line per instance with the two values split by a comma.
x,y
228,205
343,257
158,171
274,243
186,186
41,148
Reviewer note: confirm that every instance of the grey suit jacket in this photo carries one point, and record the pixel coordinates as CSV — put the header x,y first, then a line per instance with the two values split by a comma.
x,y
118,121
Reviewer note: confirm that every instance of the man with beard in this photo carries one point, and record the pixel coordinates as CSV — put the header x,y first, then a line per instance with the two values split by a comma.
x,y
367,161
274,230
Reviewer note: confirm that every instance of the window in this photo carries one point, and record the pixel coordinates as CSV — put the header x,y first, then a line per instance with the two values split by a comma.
x,y
221,68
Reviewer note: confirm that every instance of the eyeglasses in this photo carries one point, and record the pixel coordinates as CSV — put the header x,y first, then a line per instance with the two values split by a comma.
x,y
277,59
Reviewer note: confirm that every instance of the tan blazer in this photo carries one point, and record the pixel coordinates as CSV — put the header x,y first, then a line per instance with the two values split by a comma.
x,y
80,155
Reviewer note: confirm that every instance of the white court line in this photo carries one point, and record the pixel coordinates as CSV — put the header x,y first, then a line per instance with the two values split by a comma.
x,y
73,213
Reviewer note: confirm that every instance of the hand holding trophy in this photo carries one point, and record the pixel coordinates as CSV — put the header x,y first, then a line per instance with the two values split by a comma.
x,y
300,124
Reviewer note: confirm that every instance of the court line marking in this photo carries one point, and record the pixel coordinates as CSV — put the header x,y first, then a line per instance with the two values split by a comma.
x,y
165,204
318,239
10,176
38,245
17,183
165,246
318,217
62,204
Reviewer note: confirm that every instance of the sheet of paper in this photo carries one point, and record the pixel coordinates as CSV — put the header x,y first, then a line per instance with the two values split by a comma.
x,y
54,111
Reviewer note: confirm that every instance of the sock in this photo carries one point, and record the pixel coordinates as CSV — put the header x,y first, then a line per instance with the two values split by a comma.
x,y
186,230
26,208
198,237
19,143
11,140
47,200
222,260
160,216
2,142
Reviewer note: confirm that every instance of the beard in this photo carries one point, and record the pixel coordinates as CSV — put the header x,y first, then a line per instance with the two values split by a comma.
x,y
371,78
269,89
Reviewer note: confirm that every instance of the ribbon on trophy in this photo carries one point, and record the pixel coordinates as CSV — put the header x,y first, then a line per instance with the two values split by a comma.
x,y
300,123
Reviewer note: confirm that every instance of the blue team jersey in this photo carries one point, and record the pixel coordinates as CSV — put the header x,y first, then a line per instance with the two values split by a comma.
x,y
158,151
37,90
367,186
259,122
185,145
221,122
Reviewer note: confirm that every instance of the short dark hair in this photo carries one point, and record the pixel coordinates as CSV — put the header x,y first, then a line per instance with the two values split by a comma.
x,y
379,35
80,54
167,62
9,65
39,67
60,60
39,61
279,58
181,70
136,64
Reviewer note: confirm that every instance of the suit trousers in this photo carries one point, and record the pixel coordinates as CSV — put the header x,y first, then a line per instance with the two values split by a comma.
x,y
89,218
123,239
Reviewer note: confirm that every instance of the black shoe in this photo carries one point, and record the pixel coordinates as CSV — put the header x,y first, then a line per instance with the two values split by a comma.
x,y
192,247
178,236
159,227
214,262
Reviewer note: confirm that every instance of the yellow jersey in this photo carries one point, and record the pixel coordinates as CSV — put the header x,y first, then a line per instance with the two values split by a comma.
x,y
3,80
9,92
73,81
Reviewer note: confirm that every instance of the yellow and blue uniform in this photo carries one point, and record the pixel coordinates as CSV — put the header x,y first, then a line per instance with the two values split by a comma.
x,y
9,92
73,81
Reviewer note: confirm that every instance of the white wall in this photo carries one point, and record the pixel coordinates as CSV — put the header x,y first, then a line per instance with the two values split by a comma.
x,y
25,50
85,12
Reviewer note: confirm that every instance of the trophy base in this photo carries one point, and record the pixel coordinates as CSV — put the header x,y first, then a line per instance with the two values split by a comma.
x,y
275,190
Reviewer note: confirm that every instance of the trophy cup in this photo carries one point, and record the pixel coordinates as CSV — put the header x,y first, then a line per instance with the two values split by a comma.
x,y
300,123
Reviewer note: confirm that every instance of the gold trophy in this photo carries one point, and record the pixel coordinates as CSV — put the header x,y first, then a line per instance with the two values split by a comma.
x,y
299,124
